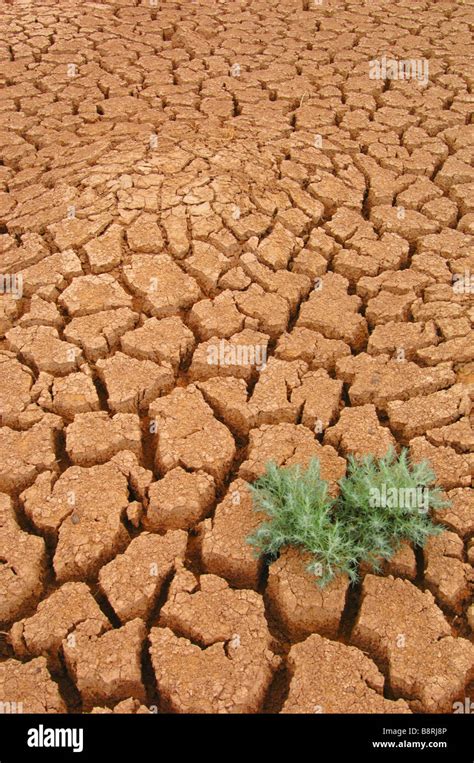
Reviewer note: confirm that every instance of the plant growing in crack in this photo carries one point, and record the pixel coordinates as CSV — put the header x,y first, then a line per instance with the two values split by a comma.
x,y
381,503
301,513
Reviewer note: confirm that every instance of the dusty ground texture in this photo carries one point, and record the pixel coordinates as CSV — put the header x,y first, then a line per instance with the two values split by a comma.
x,y
187,189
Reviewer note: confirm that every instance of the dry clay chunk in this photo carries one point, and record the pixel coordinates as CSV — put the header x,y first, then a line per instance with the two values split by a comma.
x,y
125,707
407,634
179,500
225,551
42,348
166,341
415,416
330,677
402,339
470,617
403,562
401,565
359,432
372,257
51,274
446,575
206,265
459,516
75,231
452,469
332,312
55,617
93,294
318,398
29,687
459,435
300,604
99,333
144,235
272,401
161,283
239,356
16,257
72,394
460,349
106,668
270,312
289,285
22,565
9,310
16,381
313,348
216,317
105,252
188,435
41,313
23,455
133,580
379,380
94,438
286,445
221,660
387,307
138,477
132,384
84,510
227,396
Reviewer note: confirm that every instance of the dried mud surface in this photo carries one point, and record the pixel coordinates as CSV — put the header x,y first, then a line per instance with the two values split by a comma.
x,y
187,188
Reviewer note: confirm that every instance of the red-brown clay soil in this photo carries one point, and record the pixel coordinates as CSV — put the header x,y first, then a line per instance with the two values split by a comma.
x,y
223,242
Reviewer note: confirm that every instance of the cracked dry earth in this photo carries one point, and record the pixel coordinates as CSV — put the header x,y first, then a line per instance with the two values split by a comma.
x,y
184,176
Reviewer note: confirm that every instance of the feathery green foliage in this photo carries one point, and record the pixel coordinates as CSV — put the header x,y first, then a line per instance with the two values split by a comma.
x,y
381,503
385,501
300,510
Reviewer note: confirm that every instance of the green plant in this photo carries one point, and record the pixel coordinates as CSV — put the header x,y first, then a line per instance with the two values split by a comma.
x,y
385,501
300,512
381,503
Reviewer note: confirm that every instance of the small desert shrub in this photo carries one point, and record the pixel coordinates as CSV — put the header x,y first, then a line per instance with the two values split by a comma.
x,y
381,503
300,512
